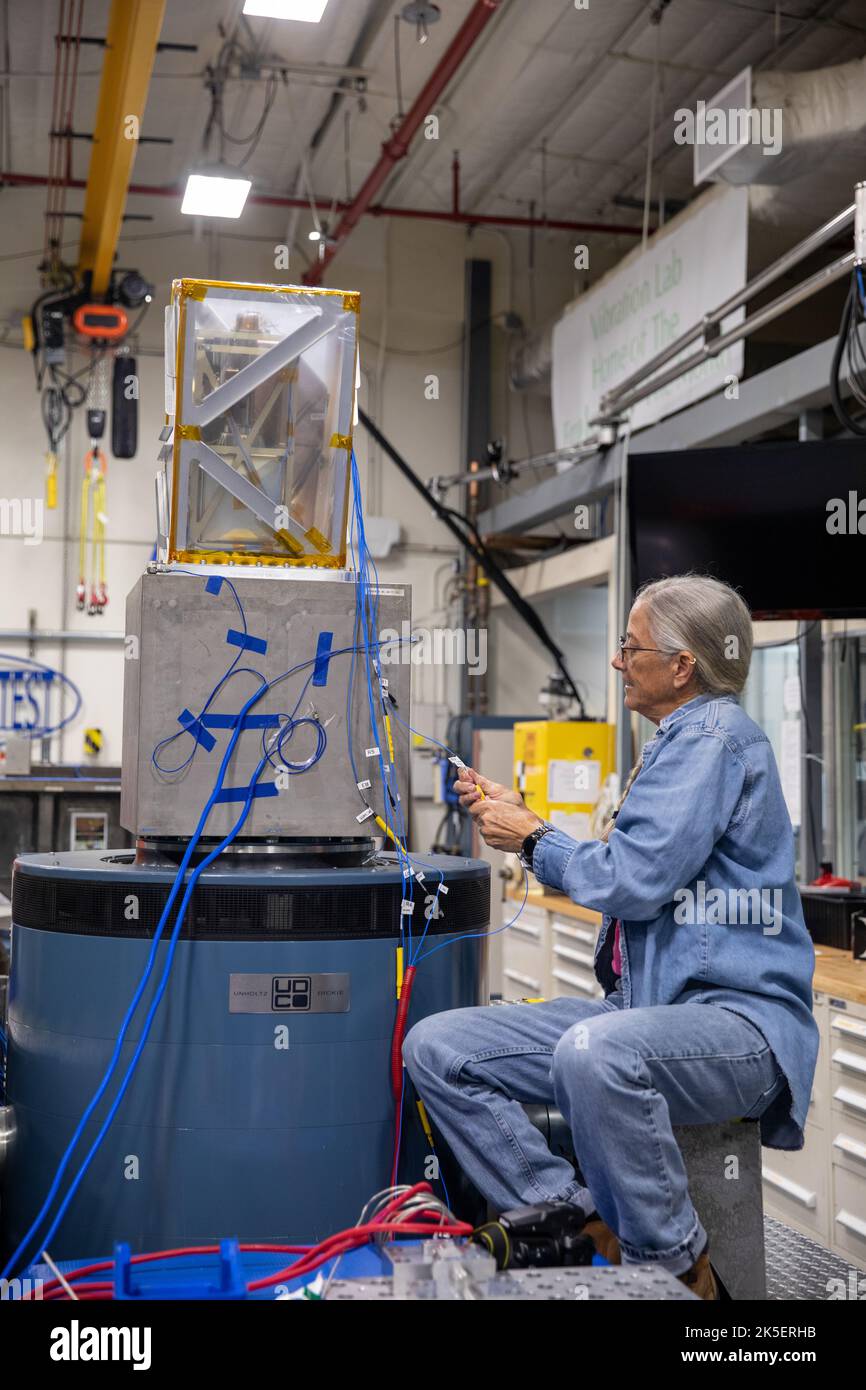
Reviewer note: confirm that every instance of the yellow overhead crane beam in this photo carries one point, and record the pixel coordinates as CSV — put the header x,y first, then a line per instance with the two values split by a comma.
x,y
133,33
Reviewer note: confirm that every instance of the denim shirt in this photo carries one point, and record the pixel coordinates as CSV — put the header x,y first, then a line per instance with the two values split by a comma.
x,y
700,872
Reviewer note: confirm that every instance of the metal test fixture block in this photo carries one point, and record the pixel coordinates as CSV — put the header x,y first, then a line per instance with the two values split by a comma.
x,y
187,633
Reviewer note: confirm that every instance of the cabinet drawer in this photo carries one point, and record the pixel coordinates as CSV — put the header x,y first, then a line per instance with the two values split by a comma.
x,y
571,955
526,953
518,985
795,1184
848,1232
847,1051
527,931
848,1141
848,1031
532,917
574,931
527,934
847,1100
574,983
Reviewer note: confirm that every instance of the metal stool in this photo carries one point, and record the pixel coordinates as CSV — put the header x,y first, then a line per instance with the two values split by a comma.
x,y
731,1209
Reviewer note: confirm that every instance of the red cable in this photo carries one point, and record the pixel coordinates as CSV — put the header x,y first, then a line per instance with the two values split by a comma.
x,y
399,1033
397,1065
390,1209
52,1285
359,1236
338,1245
311,1256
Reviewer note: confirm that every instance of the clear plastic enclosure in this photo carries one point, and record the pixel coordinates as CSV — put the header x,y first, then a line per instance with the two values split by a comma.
x,y
260,390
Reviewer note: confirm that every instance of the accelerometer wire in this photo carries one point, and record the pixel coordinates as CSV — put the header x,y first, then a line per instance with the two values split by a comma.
x,y
233,669
66,1157
142,985
157,999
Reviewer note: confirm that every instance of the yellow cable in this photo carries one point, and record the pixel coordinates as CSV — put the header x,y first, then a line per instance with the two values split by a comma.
x,y
94,492
82,537
390,737
389,832
425,1124
399,971
99,521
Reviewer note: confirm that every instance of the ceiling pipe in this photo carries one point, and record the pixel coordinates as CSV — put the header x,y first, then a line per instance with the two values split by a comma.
x,y
278,200
397,147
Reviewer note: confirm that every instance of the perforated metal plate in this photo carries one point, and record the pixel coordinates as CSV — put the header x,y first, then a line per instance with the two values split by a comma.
x,y
637,1283
800,1268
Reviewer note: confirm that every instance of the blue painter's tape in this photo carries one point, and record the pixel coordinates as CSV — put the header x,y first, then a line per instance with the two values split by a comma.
x,y
251,721
214,584
194,726
323,658
241,793
247,643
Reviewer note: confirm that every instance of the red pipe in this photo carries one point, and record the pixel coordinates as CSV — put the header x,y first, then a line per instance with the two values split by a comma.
x,y
397,146
275,200
480,219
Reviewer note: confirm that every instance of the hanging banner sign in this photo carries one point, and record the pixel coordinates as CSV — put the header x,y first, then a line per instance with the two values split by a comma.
x,y
689,268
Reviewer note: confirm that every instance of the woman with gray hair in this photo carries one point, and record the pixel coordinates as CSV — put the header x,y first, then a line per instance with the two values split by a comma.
x,y
703,956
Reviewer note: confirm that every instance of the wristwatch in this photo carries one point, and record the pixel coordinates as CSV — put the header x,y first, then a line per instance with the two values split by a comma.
x,y
527,849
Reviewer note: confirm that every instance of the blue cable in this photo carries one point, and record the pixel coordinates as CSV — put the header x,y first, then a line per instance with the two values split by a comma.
x,y
142,985
368,613
233,670
157,999
265,686
469,936
321,743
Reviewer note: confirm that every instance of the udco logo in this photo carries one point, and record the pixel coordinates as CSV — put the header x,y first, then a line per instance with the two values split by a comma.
x,y
291,993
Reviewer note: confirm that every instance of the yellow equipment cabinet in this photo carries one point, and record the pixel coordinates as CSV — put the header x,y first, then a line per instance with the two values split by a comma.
x,y
560,769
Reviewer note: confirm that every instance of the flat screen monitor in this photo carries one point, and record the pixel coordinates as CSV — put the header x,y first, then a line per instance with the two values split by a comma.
x,y
784,523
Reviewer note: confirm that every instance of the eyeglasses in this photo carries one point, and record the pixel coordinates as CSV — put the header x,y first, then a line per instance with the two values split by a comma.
x,y
623,648
622,643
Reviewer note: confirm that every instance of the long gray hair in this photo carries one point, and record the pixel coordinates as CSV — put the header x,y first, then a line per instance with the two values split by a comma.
x,y
704,616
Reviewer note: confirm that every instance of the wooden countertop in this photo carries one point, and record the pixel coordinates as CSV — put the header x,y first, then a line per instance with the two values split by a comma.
x,y
839,974
836,972
554,902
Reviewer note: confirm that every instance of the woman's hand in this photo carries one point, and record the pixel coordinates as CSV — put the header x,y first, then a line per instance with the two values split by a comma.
x,y
502,825
467,787
504,820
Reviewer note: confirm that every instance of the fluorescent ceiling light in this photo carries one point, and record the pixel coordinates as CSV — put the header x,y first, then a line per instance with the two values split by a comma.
x,y
310,11
215,195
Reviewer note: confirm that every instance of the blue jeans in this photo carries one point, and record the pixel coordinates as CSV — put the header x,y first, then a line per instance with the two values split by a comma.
x,y
620,1077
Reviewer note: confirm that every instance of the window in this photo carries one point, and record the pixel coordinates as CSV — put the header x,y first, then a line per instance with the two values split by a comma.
x,y
849,756
772,698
